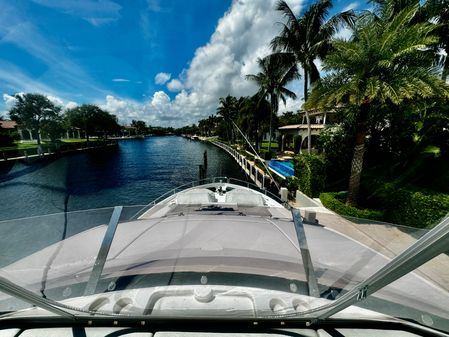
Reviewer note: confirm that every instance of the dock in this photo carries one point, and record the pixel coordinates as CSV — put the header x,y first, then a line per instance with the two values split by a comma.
x,y
256,174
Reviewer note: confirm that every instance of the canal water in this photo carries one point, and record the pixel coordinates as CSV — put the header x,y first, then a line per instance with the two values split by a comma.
x,y
134,173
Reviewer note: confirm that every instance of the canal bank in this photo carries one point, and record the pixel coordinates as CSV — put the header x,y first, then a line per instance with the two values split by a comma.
x,y
54,149
133,173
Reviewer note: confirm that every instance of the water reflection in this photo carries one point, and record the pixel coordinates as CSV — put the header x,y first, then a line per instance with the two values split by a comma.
x,y
135,172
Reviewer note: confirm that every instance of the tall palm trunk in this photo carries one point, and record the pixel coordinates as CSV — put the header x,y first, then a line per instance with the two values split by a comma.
x,y
271,123
359,151
257,136
309,128
38,136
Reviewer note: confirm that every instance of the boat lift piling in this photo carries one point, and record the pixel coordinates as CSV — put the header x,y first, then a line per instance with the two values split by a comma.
x,y
201,173
202,168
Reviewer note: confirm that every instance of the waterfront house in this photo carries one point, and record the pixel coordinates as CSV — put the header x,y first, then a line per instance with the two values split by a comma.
x,y
294,136
8,126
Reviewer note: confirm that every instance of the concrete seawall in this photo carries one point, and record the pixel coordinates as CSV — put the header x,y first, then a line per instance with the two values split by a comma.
x,y
45,152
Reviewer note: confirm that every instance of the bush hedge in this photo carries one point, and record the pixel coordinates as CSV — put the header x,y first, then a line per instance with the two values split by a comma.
x,y
310,169
292,184
333,201
408,207
411,207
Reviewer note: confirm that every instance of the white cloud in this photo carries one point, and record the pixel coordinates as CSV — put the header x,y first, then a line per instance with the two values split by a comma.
x,y
56,100
175,85
96,12
155,6
217,69
120,80
344,33
158,109
71,105
162,78
9,100
352,5
290,105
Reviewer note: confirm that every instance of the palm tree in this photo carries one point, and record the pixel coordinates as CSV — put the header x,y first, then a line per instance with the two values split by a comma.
x,y
387,9
439,10
308,38
276,71
211,124
254,117
227,110
385,61
436,11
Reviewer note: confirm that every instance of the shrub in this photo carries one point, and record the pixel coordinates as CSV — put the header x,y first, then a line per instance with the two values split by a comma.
x,y
8,138
337,144
331,201
292,183
310,170
416,208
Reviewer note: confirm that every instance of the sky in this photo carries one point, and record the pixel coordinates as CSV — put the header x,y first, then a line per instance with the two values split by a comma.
x,y
166,62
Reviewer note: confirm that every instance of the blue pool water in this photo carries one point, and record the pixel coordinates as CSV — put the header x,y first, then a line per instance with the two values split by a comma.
x,y
283,167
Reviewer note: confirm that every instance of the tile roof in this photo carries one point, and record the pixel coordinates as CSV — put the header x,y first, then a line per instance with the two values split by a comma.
x,y
8,124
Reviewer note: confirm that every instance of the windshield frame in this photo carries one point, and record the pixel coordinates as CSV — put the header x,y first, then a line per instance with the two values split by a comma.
x,y
430,245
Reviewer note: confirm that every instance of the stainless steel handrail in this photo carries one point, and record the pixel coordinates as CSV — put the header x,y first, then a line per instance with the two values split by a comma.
x,y
206,181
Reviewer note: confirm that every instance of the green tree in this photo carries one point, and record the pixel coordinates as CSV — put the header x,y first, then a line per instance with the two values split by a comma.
x,y
254,118
33,111
308,38
228,110
289,117
53,129
92,120
140,126
211,125
436,11
276,70
385,61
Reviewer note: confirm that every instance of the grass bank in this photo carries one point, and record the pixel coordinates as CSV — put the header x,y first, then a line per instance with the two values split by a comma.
x,y
27,146
27,150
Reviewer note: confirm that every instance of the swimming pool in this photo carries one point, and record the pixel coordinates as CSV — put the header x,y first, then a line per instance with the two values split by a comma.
x,y
282,167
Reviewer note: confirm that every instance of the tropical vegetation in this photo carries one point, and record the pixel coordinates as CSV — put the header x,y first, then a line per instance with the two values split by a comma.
x,y
386,83
307,39
276,70
384,80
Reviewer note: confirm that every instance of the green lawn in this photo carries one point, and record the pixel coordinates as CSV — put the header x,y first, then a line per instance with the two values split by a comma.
x,y
18,146
274,145
81,140
25,146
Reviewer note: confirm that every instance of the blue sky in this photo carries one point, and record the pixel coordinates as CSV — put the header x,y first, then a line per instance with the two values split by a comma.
x,y
166,62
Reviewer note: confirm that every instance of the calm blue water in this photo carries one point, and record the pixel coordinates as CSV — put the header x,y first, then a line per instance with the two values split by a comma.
x,y
136,172
283,167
